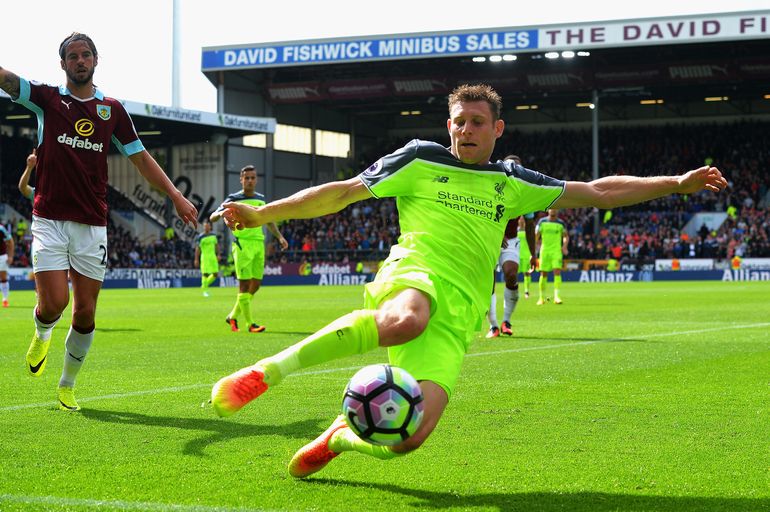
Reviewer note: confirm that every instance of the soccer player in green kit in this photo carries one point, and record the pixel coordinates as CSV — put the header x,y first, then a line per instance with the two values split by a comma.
x,y
248,250
551,233
429,298
207,257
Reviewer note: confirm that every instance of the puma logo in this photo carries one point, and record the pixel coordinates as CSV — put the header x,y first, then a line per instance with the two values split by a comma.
x,y
66,104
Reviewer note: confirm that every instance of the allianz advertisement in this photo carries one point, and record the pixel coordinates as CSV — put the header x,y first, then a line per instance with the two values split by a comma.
x,y
346,274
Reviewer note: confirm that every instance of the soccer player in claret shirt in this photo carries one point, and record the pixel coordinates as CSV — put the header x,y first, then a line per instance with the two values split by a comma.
x,y
508,263
552,237
207,257
430,296
76,123
248,251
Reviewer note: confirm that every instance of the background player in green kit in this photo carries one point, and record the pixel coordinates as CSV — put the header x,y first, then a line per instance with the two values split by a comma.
x,y
429,298
551,235
248,250
207,257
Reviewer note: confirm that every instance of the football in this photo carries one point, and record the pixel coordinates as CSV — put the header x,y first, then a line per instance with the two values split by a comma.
x,y
383,404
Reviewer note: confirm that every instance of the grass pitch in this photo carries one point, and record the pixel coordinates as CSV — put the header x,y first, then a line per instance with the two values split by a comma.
x,y
634,396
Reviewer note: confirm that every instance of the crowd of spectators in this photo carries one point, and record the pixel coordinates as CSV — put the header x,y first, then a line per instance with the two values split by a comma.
x,y
366,230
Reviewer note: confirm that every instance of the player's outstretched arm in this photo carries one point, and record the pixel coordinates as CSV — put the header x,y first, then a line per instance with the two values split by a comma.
x,y
305,204
615,191
9,83
154,175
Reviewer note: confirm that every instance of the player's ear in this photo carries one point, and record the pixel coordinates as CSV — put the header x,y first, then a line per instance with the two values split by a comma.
x,y
61,63
499,128
449,125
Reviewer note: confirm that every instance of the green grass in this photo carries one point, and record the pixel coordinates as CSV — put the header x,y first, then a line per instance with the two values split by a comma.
x,y
639,396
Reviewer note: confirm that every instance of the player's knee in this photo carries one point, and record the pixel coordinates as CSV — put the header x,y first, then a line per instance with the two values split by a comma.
x,y
408,325
511,282
83,315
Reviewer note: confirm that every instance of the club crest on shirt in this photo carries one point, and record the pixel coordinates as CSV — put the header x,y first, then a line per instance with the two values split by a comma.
x,y
373,169
104,111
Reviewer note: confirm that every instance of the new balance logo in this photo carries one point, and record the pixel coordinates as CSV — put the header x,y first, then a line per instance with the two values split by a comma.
x,y
441,179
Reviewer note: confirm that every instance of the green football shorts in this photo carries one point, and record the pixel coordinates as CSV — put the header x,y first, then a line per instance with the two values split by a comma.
x,y
437,354
209,265
550,261
249,258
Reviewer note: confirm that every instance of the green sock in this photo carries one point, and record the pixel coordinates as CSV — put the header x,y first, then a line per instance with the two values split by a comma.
x,y
527,281
556,284
354,333
244,301
541,285
345,440
210,279
236,309
204,285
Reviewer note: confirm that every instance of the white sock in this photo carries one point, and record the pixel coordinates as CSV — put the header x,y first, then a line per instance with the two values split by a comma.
x,y
4,289
43,330
511,299
75,349
492,315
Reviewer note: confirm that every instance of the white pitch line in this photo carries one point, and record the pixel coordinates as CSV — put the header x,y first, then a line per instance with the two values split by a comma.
x,y
350,368
627,338
70,503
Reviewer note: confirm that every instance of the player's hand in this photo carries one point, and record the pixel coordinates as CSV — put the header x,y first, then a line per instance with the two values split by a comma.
x,y
32,159
196,264
704,178
185,209
504,245
284,244
564,251
532,263
240,216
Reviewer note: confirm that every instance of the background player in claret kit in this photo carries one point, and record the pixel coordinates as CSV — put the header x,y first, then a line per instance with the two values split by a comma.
x,y
207,257
426,303
248,251
552,239
509,263
6,258
527,245
76,124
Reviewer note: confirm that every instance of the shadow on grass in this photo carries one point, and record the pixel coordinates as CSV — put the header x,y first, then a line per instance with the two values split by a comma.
x,y
107,329
218,430
559,501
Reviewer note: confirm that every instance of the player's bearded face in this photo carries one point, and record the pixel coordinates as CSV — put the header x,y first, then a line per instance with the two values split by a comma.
x,y
79,63
473,131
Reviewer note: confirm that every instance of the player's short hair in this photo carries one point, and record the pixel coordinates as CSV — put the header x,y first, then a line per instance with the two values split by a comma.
x,y
516,159
76,36
478,92
248,168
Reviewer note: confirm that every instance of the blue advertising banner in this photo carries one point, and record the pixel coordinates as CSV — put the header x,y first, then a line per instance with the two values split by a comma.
x,y
364,49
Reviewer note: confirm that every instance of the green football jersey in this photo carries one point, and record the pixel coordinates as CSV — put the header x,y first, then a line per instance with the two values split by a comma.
x,y
208,245
551,233
256,200
453,215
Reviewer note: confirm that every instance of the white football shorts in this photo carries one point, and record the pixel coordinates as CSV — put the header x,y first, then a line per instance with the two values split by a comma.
x,y
61,244
510,253
4,263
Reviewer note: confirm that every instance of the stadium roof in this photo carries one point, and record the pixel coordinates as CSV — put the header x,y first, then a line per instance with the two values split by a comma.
x,y
161,126
681,58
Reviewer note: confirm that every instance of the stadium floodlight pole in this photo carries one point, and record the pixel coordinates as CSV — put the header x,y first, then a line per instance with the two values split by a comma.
x,y
176,61
595,149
